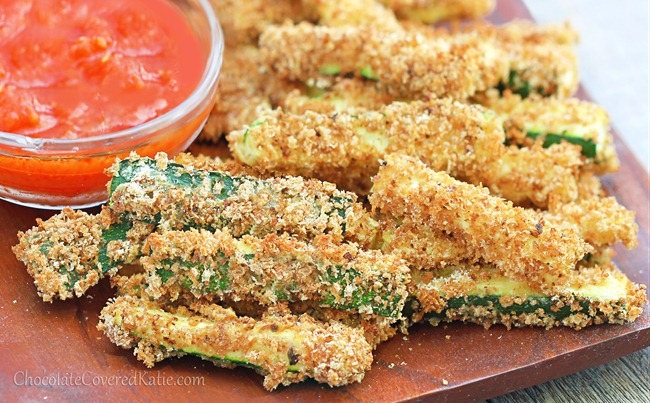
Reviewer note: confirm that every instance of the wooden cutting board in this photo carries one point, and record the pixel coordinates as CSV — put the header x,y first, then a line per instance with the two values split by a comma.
x,y
58,347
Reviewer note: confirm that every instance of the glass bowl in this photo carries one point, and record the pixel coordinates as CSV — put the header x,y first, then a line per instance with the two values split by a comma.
x,y
53,173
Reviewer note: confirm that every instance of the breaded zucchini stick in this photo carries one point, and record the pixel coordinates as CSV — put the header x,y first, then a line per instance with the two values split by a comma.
x,y
406,65
274,269
376,329
481,294
520,244
340,13
176,196
552,120
284,348
600,221
535,175
541,59
345,148
433,11
73,250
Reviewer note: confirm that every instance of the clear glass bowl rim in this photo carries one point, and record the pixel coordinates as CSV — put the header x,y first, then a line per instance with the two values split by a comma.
x,y
27,146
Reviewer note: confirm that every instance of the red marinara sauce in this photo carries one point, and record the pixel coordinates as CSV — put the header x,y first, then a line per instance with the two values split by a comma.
x,y
82,68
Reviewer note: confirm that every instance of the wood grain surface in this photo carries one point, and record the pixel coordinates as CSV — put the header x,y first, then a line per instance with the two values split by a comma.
x,y
59,344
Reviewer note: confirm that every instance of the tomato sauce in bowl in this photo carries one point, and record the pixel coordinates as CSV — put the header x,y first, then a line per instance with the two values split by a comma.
x,y
85,81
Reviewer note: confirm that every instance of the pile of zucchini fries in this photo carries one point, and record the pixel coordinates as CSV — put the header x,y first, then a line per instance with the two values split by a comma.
x,y
385,173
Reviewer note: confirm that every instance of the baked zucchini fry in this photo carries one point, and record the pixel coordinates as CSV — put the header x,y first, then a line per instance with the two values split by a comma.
x,y
73,250
515,240
285,348
405,65
481,294
175,196
345,148
552,120
274,269
433,11
340,13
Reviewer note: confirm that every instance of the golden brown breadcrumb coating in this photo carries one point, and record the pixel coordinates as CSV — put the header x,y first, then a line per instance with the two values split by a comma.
x,y
464,140
514,239
406,65
345,95
301,207
243,21
535,175
571,117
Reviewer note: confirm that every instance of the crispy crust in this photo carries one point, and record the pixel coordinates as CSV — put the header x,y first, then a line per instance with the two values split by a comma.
x,y
527,32
514,239
284,348
464,140
534,176
275,268
406,65
420,246
345,95
68,241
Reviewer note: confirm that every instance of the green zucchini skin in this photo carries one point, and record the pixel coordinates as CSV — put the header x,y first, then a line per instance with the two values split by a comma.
x,y
588,146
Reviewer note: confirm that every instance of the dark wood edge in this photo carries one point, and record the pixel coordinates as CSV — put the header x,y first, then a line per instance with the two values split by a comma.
x,y
536,373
